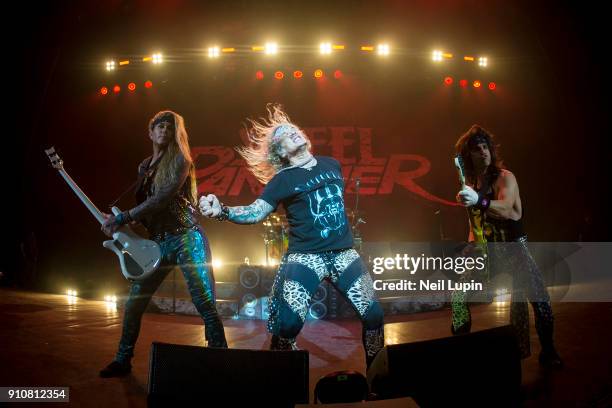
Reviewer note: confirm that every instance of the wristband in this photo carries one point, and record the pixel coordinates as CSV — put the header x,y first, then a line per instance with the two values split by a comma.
x,y
483,203
224,214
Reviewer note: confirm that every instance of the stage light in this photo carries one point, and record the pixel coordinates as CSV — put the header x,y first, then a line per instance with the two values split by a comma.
x,y
502,295
279,75
104,90
228,49
271,48
367,48
298,74
337,47
116,89
110,298
122,63
325,48
477,84
448,81
131,86
259,75
71,293
272,262
468,58
447,55
110,65
437,56
337,74
492,86
318,73
217,263
157,58
463,83
148,84
383,49
483,62
213,52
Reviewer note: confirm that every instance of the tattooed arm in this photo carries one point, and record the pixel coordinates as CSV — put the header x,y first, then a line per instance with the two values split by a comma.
x,y
248,214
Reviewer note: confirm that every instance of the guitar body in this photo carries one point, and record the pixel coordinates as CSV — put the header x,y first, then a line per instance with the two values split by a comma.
x,y
138,257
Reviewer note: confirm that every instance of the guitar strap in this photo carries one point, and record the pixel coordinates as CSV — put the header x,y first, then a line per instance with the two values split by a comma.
x,y
143,172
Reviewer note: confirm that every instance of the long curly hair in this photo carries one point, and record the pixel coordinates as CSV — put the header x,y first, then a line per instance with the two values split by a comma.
x,y
170,163
263,154
463,146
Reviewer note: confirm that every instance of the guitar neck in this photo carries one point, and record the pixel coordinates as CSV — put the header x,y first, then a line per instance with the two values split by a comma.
x,y
90,206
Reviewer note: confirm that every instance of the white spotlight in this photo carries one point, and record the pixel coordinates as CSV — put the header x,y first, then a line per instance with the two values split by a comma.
x,y
437,56
110,65
214,52
383,49
217,263
325,48
271,48
157,58
482,62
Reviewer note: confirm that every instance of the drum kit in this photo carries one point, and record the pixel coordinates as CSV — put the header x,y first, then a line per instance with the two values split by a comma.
x,y
276,231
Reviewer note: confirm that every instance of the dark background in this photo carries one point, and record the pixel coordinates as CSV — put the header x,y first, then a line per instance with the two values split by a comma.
x,y
548,112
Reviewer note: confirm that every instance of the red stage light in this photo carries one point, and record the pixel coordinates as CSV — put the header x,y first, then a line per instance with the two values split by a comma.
x,y
492,86
337,74
318,73
104,90
131,86
463,83
448,81
259,75
279,75
148,84
116,89
477,84
298,74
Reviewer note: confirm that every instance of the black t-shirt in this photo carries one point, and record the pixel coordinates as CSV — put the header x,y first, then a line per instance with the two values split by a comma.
x,y
314,202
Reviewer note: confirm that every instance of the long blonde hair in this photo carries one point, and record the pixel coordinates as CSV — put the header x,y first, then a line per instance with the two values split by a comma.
x,y
262,155
170,163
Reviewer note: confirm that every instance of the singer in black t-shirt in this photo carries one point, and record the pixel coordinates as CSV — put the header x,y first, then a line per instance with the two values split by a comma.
x,y
311,190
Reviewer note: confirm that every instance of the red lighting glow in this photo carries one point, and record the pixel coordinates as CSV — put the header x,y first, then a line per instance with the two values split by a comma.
x,y
318,73
463,83
477,84
492,86
259,75
448,81
148,84
131,86
104,90
279,75
337,74
117,89
298,74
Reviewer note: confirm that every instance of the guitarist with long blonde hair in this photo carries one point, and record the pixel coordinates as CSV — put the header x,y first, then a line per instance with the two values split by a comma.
x,y
167,200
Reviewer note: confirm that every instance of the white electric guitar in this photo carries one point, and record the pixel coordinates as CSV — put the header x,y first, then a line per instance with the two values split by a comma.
x,y
138,257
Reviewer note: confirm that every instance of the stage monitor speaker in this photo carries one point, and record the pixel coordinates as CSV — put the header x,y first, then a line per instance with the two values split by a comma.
x,y
338,306
476,369
186,374
253,289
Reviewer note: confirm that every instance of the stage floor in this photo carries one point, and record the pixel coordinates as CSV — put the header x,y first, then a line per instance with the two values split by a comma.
x,y
51,340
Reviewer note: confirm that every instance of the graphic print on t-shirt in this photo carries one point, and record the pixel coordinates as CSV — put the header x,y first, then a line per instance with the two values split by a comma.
x,y
326,203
